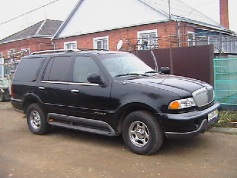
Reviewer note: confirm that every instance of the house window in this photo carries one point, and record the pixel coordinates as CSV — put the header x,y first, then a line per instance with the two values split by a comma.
x,y
11,53
101,42
70,45
202,40
191,39
1,66
147,39
25,51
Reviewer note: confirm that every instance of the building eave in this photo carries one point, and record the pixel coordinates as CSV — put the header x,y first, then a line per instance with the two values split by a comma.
x,y
26,38
62,26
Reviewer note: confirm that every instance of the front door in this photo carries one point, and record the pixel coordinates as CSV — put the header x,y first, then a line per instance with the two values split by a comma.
x,y
87,100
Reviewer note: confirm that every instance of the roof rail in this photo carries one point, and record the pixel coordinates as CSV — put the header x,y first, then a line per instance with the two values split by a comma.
x,y
92,49
55,51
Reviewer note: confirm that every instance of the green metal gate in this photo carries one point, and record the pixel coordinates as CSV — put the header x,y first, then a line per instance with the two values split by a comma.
x,y
225,81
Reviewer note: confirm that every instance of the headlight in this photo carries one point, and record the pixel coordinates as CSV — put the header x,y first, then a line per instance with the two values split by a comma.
x,y
181,104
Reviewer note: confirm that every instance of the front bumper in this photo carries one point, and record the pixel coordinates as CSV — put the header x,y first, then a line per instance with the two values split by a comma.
x,y
198,117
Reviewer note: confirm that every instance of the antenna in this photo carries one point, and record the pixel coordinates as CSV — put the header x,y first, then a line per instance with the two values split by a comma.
x,y
154,59
119,44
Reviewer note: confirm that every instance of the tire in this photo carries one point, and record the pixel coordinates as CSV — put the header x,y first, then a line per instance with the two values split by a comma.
x,y
2,97
36,120
142,133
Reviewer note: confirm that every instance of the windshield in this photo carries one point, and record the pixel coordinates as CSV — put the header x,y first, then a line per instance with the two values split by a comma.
x,y
125,64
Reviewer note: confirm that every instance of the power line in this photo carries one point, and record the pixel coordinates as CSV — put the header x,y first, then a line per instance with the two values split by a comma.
x,y
28,12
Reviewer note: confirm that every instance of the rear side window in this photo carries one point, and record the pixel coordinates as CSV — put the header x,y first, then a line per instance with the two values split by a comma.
x,y
28,69
58,69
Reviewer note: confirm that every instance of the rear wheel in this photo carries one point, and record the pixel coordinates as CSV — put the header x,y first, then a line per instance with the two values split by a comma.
x,y
142,133
36,120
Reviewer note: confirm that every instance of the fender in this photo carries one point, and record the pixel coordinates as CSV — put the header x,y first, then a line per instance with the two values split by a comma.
x,y
30,98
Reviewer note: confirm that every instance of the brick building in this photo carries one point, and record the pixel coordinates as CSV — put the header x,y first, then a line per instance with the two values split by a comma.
x,y
138,24
34,38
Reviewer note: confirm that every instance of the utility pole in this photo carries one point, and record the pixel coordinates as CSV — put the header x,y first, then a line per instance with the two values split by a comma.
x,y
169,9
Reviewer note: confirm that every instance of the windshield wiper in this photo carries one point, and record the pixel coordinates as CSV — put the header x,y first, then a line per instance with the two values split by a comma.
x,y
136,74
151,72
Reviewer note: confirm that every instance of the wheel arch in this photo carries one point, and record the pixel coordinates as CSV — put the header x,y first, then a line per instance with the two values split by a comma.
x,y
131,107
30,99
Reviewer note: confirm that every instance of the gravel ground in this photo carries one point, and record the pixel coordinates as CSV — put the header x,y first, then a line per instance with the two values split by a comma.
x,y
67,153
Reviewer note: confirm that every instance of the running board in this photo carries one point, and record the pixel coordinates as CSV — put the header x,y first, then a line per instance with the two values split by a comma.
x,y
82,124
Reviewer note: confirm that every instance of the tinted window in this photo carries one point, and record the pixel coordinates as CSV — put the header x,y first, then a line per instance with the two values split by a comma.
x,y
58,68
29,69
124,64
83,67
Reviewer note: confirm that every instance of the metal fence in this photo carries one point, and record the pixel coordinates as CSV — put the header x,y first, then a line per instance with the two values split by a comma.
x,y
185,61
222,43
225,81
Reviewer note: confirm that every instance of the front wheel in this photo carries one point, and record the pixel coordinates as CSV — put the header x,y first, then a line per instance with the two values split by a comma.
x,y
142,133
36,120
2,97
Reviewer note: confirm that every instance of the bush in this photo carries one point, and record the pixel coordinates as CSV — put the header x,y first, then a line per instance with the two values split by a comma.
x,y
227,119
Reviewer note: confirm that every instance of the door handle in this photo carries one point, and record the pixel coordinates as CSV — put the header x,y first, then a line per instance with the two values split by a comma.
x,y
75,91
41,88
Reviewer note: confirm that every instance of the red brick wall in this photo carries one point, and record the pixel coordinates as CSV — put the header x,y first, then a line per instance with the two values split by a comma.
x,y
34,44
129,36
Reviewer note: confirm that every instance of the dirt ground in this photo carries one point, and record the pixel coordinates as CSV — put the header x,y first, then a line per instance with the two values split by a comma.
x,y
67,153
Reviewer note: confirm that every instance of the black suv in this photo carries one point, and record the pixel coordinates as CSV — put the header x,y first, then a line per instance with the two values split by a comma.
x,y
111,93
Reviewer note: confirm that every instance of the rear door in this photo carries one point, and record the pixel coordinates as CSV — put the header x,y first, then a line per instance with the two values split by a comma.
x,y
54,84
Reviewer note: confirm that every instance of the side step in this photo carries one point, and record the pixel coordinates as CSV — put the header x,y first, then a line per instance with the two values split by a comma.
x,y
82,124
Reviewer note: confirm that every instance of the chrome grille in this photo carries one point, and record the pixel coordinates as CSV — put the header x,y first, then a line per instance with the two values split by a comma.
x,y
203,96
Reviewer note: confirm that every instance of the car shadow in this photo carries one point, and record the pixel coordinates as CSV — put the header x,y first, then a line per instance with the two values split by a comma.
x,y
169,147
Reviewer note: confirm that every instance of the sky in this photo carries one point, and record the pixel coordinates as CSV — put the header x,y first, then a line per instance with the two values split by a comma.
x,y
60,9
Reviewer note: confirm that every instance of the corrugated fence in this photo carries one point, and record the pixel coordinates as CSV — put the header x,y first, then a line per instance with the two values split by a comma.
x,y
195,62
225,75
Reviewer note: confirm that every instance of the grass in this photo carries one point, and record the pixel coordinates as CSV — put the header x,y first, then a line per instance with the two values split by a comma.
x,y
227,119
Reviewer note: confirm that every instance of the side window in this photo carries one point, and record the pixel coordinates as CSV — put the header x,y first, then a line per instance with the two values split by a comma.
x,y
29,69
82,68
58,68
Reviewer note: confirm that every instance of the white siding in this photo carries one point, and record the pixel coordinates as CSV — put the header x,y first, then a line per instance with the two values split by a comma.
x,y
99,15
180,10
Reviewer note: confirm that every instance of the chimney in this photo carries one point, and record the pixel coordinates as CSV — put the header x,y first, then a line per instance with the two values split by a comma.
x,y
224,13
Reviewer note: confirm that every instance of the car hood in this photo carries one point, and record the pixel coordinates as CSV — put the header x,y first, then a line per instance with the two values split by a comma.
x,y
176,84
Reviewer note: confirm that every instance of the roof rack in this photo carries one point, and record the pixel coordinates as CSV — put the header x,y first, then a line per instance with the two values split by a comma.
x,y
92,49
55,51
66,50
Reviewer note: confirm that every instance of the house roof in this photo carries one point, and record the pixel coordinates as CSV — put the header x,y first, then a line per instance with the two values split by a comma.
x,y
45,28
91,16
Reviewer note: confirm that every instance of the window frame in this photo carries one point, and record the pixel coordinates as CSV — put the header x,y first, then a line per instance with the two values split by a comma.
x,y
149,46
191,42
70,42
95,40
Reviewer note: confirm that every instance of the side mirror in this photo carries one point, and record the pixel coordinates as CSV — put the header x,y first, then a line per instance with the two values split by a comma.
x,y
96,79
165,70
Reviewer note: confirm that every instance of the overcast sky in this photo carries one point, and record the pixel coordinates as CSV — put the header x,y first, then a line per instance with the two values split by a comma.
x,y
60,9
